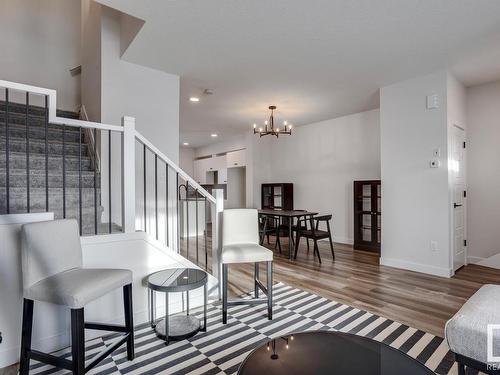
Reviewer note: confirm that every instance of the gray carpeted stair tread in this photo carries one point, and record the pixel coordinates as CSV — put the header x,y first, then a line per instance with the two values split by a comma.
x,y
17,160
35,110
39,136
37,146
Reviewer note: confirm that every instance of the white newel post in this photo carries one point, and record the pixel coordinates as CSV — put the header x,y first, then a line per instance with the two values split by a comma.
x,y
217,235
128,174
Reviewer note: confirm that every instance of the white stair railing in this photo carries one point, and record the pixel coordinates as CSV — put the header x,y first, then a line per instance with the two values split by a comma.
x,y
175,210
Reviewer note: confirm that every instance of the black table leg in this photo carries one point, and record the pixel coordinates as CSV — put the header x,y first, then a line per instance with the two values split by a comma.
x,y
290,238
152,306
205,301
166,319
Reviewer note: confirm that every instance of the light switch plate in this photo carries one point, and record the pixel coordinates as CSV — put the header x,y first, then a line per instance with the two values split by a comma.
x,y
432,101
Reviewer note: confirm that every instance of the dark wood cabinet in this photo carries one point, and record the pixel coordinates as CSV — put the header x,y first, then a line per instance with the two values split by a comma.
x,y
367,215
277,196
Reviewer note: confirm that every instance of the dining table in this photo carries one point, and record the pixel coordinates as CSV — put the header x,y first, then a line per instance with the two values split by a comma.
x,y
290,215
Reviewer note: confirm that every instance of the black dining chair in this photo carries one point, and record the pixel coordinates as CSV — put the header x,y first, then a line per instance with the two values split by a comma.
x,y
315,234
282,230
267,226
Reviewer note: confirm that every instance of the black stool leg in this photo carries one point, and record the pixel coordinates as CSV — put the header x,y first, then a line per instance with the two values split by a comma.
x,y
78,341
461,369
256,277
270,290
224,293
129,320
24,361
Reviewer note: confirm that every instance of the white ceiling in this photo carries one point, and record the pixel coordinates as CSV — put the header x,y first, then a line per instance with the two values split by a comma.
x,y
314,59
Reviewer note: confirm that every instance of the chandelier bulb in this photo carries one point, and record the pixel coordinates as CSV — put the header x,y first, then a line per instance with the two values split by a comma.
x,y
254,126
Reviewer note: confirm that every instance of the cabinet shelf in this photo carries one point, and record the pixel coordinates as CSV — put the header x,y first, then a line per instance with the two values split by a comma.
x,y
367,203
277,196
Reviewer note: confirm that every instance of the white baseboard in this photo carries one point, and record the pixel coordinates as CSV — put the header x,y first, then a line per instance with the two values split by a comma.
x,y
474,260
341,240
418,267
10,356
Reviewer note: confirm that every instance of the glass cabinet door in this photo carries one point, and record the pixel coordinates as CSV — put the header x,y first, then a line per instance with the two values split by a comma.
x,y
367,211
267,195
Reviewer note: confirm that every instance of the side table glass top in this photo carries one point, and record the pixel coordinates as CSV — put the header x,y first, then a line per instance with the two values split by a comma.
x,y
177,279
321,352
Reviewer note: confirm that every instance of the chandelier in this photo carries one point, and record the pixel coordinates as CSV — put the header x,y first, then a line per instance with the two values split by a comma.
x,y
269,128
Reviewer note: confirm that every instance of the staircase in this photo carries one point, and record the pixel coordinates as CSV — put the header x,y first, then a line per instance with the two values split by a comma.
x,y
68,184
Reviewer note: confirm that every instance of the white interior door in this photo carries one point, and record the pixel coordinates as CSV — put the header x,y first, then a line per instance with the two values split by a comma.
x,y
459,186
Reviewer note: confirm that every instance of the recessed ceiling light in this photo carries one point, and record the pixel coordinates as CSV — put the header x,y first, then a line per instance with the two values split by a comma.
x,y
213,135
194,99
186,144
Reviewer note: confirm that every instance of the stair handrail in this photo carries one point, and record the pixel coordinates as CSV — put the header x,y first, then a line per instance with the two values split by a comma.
x,y
192,182
52,107
89,136
54,119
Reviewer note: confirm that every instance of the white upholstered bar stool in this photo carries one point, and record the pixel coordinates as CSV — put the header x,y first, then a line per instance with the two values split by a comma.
x,y
52,272
240,244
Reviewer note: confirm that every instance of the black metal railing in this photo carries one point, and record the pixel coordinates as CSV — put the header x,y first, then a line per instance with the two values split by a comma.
x,y
174,206
65,173
58,175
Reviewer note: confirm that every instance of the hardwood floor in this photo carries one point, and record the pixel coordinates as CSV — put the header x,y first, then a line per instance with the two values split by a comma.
x,y
356,278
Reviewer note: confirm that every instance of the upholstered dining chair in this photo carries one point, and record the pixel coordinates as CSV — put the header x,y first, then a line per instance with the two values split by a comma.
x,y
53,272
240,244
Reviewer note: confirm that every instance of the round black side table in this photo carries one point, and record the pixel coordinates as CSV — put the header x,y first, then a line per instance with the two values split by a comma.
x,y
177,280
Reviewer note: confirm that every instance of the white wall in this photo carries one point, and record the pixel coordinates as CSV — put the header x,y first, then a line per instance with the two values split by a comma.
x,y
186,160
40,42
322,160
231,144
149,95
91,58
236,188
119,88
483,170
415,198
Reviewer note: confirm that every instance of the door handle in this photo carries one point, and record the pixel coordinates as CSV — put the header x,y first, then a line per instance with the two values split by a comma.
x,y
456,205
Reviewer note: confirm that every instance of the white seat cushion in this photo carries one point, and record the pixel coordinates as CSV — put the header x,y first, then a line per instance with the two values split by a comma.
x,y
467,331
245,253
77,287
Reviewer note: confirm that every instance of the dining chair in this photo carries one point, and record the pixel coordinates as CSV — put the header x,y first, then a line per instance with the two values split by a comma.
x,y
240,244
315,234
282,231
267,226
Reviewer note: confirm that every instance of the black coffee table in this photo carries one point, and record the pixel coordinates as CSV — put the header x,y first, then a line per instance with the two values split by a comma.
x,y
175,280
329,353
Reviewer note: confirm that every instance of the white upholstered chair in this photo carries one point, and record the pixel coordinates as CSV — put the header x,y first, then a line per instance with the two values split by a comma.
x,y
53,272
240,244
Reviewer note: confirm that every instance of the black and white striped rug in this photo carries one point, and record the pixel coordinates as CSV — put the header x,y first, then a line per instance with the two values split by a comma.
x,y
223,347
